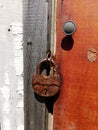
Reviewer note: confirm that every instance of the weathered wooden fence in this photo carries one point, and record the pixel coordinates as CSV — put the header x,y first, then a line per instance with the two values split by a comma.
x,y
36,42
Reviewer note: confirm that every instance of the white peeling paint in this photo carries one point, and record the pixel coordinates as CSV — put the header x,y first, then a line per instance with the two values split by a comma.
x,y
11,65
19,89
7,125
6,79
20,104
18,61
16,28
17,32
21,127
5,92
5,95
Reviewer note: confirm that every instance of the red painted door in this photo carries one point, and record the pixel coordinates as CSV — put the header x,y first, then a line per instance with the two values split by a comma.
x,y
77,105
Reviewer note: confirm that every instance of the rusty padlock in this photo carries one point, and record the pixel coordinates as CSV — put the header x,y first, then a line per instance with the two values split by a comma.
x,y
46,85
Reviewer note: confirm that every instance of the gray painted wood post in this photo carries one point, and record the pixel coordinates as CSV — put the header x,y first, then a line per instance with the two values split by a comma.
x,y
35,19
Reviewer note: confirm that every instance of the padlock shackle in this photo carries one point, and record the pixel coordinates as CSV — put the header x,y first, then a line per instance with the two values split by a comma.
x,y
44,63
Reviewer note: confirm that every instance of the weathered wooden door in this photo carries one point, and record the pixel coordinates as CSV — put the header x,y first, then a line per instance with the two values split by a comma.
x,y
77,105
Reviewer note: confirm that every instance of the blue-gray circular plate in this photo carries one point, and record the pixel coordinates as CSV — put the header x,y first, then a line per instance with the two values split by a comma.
x,y
69,27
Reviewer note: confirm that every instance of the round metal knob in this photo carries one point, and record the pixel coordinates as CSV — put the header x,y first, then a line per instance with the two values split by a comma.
x,y
69,27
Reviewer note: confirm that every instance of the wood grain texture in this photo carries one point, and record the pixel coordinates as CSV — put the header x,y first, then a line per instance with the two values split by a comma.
x,y
77,106
35,47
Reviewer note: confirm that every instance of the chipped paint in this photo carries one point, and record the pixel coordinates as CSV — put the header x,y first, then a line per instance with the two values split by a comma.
x,y
92,54
16,28
11,65
20,104
18,53
72,127
19,89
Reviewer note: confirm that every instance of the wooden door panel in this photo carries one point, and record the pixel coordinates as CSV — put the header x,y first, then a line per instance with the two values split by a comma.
x,y
77,105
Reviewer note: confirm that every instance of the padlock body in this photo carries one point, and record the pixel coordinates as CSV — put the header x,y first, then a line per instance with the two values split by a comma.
x,y
46,86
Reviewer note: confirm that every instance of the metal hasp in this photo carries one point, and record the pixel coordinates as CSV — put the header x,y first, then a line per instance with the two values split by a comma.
x,y
69,27
46,85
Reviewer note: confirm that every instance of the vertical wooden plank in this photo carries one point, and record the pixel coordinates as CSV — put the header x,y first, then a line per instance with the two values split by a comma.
x,y
77,106
52,30
53,26
35,47
11,65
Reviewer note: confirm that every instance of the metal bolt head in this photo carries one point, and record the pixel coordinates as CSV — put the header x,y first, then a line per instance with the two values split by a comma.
x,y
69,27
